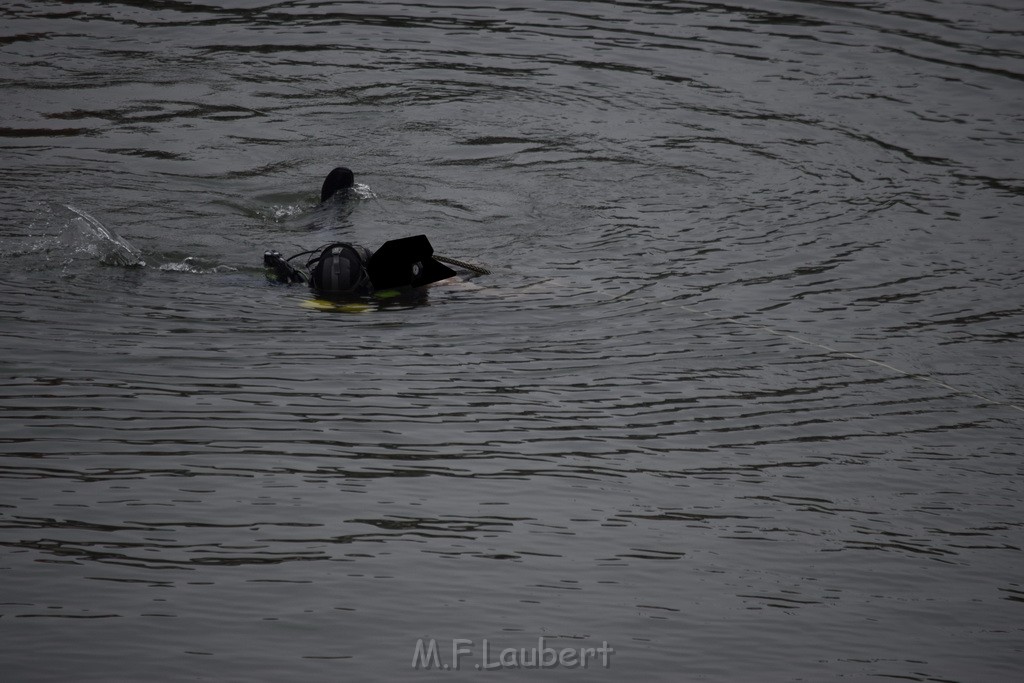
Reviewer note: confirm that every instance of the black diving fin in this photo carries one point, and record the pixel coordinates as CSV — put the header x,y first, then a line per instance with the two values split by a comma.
x,y
406,262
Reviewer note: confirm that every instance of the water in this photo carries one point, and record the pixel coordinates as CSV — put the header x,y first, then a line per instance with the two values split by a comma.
x,y
741,398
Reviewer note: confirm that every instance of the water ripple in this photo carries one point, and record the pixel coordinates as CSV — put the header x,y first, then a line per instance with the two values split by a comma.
x,y
745,368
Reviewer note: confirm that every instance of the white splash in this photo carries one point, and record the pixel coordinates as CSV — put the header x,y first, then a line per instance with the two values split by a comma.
x,y
279,212
363,191
191,264
110,247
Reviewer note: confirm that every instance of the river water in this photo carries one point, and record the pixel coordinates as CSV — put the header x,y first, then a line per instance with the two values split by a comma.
x,y
740,399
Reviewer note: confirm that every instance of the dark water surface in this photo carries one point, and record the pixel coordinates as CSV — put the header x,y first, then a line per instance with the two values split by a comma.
x,y
741,397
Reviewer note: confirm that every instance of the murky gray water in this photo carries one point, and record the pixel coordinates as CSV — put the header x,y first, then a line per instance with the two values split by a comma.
x,y
741,398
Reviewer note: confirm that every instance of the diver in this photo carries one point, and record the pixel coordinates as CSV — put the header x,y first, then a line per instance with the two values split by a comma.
x,y
344,269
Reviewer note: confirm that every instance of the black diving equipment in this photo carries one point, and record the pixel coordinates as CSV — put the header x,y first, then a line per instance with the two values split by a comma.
x,y
341,268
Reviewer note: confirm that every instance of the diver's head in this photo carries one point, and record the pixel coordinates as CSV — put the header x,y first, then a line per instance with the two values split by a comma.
x,y
340,269
340,178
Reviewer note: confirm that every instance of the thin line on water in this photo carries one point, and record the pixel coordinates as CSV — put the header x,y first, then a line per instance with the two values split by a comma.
x,y
855,356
